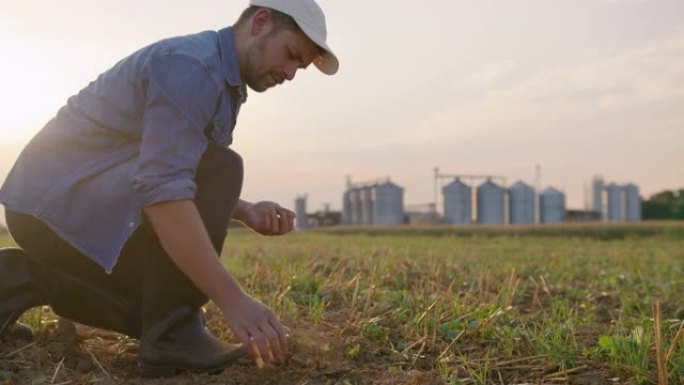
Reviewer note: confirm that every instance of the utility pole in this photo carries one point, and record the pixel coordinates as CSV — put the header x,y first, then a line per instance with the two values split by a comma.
x,y
537,200
436,189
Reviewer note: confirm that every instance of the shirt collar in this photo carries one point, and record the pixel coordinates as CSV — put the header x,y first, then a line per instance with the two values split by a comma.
x,y
229,58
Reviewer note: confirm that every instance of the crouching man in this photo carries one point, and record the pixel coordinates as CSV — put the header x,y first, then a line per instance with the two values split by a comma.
x,y
121,203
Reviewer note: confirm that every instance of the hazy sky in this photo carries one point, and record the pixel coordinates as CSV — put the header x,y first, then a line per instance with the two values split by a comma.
x,y
581,87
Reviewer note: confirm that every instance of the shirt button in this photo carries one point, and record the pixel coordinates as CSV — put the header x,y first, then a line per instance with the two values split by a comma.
x,y
131,225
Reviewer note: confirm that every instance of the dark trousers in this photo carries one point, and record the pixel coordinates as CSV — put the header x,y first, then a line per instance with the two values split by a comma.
x,y
145,281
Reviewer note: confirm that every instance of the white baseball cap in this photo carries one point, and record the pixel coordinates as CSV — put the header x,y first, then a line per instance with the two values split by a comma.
x,y
311,20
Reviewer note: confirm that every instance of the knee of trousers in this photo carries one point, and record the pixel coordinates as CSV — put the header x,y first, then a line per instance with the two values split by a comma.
x,y
220,174
231,171
219,183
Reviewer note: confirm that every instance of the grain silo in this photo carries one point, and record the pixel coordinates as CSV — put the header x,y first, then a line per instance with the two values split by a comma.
x,y
457,202
490,203
552,206
356,209
388,204
593,195
347,208
632,203
366,199
615,203
300,211
521,204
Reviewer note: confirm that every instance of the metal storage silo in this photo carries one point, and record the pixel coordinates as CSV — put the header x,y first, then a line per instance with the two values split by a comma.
x,y
388,204
615,203
521,204
457,202
632,203
552,206
490,203
593,195
356,209
347,216
366,199
300,211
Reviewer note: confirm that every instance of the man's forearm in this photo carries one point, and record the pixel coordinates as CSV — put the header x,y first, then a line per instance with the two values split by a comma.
x,y
184,237
241,210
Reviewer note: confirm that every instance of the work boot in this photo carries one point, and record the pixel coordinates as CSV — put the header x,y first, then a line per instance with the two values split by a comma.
x,y
174,336
181,342
19,291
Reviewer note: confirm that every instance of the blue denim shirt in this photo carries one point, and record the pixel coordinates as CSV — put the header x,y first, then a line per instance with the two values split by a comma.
x,y
130,139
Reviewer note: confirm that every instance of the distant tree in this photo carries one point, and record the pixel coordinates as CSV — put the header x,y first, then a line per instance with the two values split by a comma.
x,y
664,205
678,211
666,197
656,210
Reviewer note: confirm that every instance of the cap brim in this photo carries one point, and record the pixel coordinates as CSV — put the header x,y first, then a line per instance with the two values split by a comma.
x,y
326,62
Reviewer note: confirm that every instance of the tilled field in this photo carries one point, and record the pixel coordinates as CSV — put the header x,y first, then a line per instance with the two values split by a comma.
x,y
424,307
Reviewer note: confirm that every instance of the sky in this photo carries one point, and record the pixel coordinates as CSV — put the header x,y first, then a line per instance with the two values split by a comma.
x,y
486,87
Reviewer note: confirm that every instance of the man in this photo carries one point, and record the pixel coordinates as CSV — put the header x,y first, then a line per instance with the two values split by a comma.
x,y
121,203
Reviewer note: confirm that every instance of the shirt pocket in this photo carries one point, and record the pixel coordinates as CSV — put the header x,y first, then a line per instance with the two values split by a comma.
x,y
221,130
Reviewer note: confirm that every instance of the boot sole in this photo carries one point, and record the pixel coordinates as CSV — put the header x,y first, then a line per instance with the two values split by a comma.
x,y
153,371
165,371
9,328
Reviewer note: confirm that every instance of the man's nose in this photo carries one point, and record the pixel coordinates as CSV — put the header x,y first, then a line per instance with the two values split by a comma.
x,y
290,72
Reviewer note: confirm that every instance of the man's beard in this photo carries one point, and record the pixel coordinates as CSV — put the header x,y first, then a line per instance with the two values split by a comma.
x,y
252,77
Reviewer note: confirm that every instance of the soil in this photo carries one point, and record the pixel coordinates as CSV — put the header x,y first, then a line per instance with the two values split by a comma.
x,y
66,353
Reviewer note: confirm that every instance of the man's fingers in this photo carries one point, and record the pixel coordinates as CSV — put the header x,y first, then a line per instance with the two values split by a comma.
x,y
248,342
290,221
276,352
260,344
260,330
275,222
282,334
287,211
273,219
266,345
267,223
286,220
284,223
291,217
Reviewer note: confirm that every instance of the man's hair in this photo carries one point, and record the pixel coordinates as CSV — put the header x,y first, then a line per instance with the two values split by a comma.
x,y
280,20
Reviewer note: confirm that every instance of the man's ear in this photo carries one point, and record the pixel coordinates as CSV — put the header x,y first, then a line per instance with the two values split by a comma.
x,y
261,22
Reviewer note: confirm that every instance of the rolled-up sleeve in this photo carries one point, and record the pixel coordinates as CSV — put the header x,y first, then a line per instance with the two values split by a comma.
x,y
181,98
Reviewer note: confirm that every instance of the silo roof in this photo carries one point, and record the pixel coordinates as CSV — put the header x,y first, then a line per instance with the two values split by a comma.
x,y
520,185
552,191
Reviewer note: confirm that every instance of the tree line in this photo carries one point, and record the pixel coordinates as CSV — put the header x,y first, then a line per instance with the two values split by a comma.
x,y
667,204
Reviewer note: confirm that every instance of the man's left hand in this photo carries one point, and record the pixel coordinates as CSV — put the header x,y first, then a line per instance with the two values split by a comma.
x,y
267,218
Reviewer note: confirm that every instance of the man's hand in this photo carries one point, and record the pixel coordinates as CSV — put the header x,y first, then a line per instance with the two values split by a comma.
x,y
182,234
266,218
258,328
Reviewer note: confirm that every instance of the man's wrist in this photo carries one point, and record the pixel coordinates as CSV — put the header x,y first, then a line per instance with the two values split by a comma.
x,y
231,300
240,212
